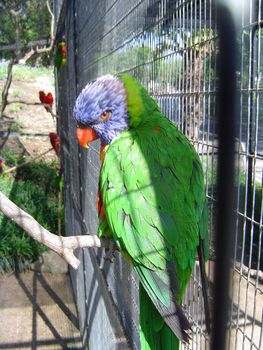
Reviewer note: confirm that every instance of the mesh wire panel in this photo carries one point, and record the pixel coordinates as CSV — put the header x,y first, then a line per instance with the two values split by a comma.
x,y
171,48
246,312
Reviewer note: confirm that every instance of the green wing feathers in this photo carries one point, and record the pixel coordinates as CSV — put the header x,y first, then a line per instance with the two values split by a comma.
x,y
153,193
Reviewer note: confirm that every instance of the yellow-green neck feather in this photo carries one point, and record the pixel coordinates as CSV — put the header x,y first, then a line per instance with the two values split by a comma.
x,y
139,103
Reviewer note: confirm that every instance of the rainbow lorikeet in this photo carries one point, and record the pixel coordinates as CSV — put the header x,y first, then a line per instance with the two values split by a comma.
x,y
47,100
152,201
61,53
55,142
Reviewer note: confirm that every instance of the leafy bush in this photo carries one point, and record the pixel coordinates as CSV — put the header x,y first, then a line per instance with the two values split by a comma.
x,y
9,156
34,189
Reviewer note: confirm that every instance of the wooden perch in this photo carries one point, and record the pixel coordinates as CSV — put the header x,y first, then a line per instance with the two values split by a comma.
x,y
64,246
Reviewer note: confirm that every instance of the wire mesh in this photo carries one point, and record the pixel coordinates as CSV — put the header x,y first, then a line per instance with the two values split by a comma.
x,y
171,48
247,301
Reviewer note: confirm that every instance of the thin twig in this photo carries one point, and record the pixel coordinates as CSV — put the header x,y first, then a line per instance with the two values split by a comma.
x,y
64,246
52,25
49,110
25,103
55,116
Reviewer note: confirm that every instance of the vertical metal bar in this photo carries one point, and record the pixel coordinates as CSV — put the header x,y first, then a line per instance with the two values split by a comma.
x,y
251,133
225,215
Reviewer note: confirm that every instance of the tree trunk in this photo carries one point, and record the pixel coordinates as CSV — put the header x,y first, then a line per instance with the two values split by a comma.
x,y
7,86
14,16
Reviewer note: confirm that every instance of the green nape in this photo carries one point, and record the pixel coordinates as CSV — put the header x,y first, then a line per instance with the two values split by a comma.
x,y
139,104
154,333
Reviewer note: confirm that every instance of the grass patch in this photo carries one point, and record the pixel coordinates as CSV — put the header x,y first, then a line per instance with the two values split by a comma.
x,y
9,156
15,107
15,127
23,72
17,92
34,188
3,72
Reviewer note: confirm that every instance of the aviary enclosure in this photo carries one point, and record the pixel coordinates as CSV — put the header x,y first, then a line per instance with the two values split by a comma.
x,y
172,48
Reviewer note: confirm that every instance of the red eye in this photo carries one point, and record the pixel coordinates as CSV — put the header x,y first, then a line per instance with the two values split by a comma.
x,y
105,115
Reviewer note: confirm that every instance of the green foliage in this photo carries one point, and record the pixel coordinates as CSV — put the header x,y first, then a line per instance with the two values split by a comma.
x,y
15,127
32,22
40,173
27,73
3,72
34,189
9,156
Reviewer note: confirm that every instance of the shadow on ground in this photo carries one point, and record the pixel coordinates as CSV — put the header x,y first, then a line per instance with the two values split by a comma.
x,y
37,311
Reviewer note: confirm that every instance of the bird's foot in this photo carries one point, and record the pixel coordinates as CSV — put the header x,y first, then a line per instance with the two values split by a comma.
x,y
110,252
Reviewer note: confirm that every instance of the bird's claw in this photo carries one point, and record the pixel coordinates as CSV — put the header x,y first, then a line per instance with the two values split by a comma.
x,y
110,252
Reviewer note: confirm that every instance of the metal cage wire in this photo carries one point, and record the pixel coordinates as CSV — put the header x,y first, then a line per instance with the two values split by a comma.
x,y
171,47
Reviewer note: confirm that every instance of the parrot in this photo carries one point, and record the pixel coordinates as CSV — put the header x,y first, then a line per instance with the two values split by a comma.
x,y
47,100
42,96
61,53
151,199
55,142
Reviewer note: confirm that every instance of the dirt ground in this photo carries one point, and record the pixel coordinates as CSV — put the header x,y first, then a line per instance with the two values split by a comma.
x,y
27,125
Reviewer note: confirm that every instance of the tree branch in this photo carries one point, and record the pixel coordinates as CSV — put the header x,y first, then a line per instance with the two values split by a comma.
x,y
52,36
37,51
33,52
64,246
25,103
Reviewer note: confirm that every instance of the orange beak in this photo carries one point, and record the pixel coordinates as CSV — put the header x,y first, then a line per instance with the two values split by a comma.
x,y
86,135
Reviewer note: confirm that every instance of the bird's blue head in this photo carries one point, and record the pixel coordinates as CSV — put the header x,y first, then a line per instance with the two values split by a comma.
x,y
101,110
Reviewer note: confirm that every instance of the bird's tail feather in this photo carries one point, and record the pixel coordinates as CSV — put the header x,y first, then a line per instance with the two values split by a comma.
x,y
154,332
